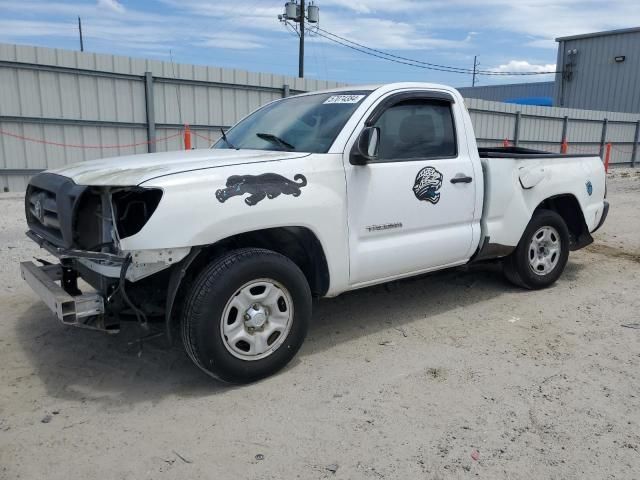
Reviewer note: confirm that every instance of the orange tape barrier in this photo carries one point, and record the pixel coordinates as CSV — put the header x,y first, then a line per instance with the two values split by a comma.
x,y
588,149
71,145
204,137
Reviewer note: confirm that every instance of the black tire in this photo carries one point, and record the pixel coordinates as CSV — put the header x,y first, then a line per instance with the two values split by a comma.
x,y
206,300
517,267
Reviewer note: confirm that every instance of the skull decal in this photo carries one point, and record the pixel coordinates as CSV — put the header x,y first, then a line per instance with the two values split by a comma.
x,y
428,182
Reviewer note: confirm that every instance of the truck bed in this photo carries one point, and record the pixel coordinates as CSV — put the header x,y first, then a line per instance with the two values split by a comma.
x,y
518,180
525,153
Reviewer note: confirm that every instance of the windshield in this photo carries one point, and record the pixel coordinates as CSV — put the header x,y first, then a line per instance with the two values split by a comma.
x,y
307,123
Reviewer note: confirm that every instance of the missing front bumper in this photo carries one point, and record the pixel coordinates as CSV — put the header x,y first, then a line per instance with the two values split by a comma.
x,y
75,310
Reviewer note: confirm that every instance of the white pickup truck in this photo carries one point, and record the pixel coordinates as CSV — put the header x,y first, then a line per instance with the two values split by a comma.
x,y
312,195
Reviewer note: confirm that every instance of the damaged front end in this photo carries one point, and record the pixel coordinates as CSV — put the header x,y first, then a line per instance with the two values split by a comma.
x,y
83,227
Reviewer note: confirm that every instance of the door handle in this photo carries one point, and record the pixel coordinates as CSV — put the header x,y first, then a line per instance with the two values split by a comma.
x,y
461,178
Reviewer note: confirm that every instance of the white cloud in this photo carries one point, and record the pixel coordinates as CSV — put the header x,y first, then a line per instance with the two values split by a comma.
x,y
365,27
151,33
112,5
452,31
374,6
26,28
388,34
546,43
541,20
44,7
524,66
232,40
544,20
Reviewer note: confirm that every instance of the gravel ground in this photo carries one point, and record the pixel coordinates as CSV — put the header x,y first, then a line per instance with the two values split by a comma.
x,y
454,375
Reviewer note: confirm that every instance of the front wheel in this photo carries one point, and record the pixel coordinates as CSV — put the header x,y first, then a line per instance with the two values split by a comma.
x,y
542,253
246,315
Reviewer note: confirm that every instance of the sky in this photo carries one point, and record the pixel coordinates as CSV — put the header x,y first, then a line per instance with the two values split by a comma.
x,y
506,35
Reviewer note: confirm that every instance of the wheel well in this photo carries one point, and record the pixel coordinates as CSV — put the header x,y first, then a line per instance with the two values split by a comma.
x,y
569,209
299,244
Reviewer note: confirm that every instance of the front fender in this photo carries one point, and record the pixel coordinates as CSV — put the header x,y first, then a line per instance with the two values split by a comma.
x,y
203,207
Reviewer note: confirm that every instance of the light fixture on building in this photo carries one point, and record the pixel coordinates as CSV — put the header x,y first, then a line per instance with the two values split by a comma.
x,y
619,58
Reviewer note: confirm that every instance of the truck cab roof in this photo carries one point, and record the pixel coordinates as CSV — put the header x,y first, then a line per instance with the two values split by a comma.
x,y
385,87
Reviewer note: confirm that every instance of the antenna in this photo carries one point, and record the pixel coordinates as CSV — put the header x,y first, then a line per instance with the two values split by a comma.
x,y
80,31
475,66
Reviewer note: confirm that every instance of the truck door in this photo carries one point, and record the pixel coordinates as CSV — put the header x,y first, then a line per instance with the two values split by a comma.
x,y
411,208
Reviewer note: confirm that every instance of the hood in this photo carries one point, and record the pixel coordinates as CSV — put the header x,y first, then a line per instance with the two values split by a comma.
x,y
136,169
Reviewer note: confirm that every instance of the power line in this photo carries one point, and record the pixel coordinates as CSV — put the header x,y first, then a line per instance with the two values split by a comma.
x,y
320,46
412,62
435,65
387,58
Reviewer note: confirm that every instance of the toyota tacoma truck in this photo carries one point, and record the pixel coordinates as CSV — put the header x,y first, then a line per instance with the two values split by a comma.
x,y
308,196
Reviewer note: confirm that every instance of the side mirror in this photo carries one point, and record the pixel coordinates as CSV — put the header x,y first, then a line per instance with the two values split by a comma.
x,y
365,149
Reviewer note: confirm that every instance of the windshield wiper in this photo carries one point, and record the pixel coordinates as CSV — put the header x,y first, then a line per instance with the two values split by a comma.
x,y
275,139
226,140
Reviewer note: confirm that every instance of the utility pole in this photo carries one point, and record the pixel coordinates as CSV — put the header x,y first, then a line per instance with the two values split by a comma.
x,y
299,13
301,49
475,65
80,30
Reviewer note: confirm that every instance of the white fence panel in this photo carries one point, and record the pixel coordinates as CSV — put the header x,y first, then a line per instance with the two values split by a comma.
x,y
59,107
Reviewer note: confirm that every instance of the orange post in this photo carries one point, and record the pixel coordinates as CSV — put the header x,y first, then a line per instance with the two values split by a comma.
x,y
187,137
607,157
564,147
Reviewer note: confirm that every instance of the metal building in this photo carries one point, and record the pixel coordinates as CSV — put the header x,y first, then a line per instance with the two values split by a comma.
x,y
510,93
600,71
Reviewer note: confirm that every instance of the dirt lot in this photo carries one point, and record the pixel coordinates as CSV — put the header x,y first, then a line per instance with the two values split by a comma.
x,y
410,380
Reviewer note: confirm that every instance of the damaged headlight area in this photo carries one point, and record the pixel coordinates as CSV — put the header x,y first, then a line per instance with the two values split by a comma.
x,y
84,227
87,218
133,207
106,215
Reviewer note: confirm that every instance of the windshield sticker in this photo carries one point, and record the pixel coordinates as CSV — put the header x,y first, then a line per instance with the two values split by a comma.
x,y
268,185
343,99
428,182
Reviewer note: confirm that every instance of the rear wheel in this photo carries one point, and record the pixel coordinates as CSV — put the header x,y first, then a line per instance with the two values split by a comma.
x,y
542,253
246,315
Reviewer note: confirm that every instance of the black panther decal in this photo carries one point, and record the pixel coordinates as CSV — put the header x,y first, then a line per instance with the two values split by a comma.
x,y
428,182
268,185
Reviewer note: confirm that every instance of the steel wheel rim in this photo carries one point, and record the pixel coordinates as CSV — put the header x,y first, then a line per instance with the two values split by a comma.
x,y
257,319
544,250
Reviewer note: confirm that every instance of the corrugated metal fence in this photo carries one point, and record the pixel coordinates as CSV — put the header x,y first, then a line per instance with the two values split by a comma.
x,y
545,128
61,106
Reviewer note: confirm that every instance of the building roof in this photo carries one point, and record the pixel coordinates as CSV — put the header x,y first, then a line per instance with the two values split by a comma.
x,y
502,85
599,34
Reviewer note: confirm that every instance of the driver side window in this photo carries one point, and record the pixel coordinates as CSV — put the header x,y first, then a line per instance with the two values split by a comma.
x,y
415,129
